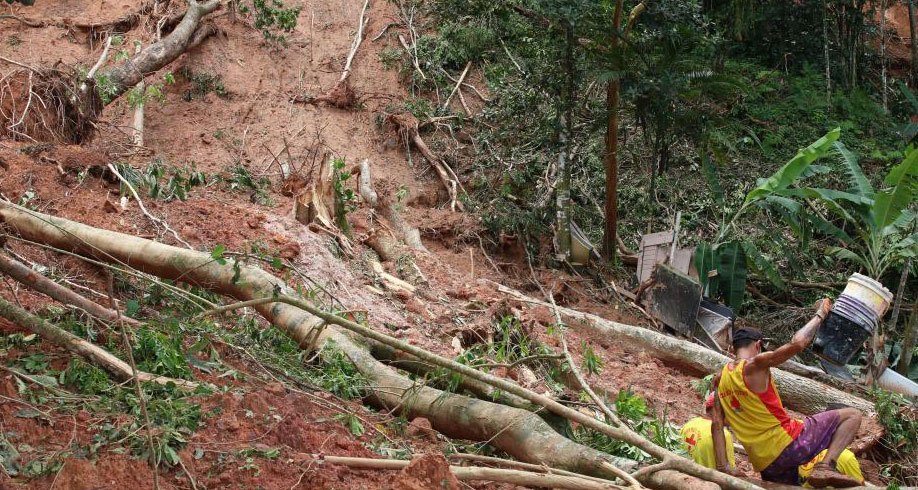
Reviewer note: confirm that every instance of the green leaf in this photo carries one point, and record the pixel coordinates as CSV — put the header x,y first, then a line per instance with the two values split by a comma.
x,y
859,181
828,228
845,254
791,171
710,174
217,254
907,93
814,170
704,263
902,181
763,265
731,272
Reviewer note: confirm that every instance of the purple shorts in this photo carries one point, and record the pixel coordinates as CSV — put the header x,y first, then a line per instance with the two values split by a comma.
x,y
816,435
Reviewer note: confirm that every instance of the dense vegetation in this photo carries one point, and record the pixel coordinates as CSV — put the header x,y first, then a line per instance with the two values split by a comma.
x,y
713,97
710,103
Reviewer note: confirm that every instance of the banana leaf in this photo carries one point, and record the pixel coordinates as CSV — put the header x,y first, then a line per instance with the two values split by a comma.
x,y
821,224
791,171
902,183
845,254
763,265
860,182
704,263
731,273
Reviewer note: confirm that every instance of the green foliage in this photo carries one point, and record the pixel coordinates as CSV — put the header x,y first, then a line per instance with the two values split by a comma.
x,y
158,353
345,199
171,411
731,272
885,232
899,418
85,377
632,409
105,88
592,363
154,183
352,423
202,84
150,92
272,17
703,386
240,179
339,375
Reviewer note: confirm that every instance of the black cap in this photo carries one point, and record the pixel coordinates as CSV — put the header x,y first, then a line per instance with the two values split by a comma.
x,y
747,333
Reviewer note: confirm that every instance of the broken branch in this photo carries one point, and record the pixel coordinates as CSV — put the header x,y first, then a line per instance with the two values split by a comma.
x,y
466,473
154,219
95,354
42,284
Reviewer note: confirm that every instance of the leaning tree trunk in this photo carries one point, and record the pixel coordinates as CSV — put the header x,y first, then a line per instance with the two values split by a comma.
x,y
185,35
798,393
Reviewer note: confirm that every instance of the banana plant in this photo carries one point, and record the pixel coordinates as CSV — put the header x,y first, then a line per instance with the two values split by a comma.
x,y
723,264
877,227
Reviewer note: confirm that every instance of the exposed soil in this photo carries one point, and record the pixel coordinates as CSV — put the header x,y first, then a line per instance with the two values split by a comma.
x,y
257,125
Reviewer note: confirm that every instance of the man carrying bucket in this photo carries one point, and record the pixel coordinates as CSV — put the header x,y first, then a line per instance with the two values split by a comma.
x,y
746,397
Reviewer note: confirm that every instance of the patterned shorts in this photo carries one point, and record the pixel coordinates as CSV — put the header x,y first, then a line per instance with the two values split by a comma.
x,y
816,435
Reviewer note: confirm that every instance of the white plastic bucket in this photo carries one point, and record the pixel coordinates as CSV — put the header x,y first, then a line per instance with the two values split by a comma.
x,y
870,292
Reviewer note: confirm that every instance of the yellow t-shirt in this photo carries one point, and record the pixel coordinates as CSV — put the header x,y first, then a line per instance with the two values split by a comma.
x,y
758,419
696,434
847,465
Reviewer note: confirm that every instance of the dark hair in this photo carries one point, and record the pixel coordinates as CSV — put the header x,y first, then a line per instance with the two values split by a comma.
x,y
739,344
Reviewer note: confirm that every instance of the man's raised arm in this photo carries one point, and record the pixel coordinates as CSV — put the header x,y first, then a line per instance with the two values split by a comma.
x,y
797,343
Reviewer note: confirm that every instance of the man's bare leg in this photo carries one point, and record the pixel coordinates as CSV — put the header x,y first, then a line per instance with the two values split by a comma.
x,y
825,474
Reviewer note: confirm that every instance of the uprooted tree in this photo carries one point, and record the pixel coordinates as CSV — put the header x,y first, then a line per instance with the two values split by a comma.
x,y
59,104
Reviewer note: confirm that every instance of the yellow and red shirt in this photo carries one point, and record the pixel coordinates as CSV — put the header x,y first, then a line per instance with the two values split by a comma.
x,y
758,420
696,434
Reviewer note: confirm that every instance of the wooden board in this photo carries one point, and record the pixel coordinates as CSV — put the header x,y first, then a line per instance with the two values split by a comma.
x,y
654,250
674,299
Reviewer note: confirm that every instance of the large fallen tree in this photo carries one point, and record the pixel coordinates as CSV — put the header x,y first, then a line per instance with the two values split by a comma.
x,y
302,322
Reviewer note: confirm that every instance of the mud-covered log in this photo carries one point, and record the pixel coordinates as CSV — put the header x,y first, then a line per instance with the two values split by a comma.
x,y
128,74
798,393
521,433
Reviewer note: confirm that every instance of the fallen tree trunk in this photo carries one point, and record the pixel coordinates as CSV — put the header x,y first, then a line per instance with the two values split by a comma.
x,y
33,280
798,393
407,126
383,203
72,343
128,74
466,473
469,417
519,432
